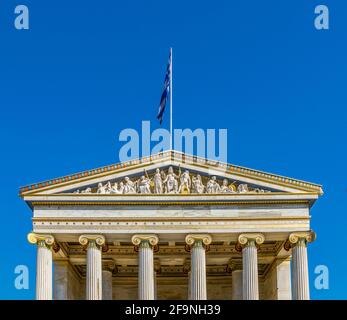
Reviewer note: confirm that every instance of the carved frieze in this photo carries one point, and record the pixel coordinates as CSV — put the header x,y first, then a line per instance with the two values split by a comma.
x,y
161,182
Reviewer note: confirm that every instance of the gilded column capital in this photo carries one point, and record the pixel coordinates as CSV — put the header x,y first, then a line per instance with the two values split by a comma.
x,y
198,240
44,240
152,239
87,240
246,239
206,239
145,240
299,238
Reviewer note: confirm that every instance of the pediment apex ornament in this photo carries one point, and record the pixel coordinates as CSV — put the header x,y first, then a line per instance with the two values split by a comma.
x,y
152,239
245,238
192,239
87,239
293,239
45,239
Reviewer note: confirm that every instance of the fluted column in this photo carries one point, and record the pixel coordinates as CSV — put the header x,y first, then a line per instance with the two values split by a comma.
x,y
93,244
45,244
300,281
197,244
144,245
247,243
107,271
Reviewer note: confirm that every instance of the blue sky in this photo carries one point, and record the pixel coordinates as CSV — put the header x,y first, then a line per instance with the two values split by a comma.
x,y
85,70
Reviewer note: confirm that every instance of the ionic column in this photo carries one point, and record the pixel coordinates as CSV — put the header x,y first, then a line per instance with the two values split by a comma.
x,y
144,245
300,280
107,271
197,243
45,244
93,244
247,243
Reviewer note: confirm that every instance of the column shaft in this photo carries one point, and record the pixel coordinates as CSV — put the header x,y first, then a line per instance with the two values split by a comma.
x,y
300,278
146,276
44,272
250,272
94,275
198,272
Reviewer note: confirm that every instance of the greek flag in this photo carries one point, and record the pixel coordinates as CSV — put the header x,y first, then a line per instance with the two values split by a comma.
x,y
166,91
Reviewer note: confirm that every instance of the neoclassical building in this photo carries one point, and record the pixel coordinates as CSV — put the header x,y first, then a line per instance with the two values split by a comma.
x,y
171,226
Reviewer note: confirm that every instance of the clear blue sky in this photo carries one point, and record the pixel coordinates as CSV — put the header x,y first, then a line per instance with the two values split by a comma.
x,y
87,69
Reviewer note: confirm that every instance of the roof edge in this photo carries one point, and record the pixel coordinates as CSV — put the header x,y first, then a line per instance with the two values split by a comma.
x,y
171,155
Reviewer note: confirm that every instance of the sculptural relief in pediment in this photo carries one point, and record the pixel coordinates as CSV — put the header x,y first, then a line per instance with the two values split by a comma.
x,y
171,181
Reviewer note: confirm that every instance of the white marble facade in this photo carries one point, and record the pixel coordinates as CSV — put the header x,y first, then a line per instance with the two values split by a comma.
x,y
172,227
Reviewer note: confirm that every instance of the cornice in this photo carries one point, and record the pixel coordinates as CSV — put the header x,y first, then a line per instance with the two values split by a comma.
x,y
167,203
168,218
172,155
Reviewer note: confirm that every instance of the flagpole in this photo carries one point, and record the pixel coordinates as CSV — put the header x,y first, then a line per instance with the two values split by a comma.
x,y
170,98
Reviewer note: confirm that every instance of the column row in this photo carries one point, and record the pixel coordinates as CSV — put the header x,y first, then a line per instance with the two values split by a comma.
x,y
196,244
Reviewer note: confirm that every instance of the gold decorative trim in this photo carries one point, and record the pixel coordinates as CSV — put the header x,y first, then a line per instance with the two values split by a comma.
x,y
166,203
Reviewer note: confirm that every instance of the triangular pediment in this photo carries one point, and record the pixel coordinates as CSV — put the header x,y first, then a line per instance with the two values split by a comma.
x,y
170,172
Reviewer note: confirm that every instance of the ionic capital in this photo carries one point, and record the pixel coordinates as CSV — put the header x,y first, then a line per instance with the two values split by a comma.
x,y
193,240
246,239
299,238
45,240
151,239
87,240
